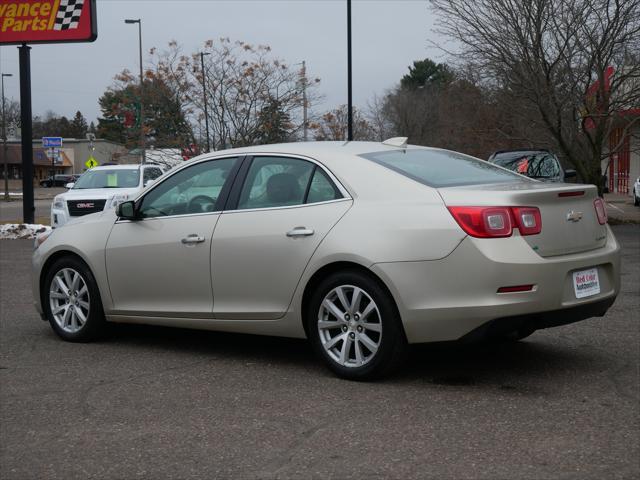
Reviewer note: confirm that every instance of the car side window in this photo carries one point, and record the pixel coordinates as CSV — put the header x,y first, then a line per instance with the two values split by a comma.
x,y
195,189
322,188
275,182
151,174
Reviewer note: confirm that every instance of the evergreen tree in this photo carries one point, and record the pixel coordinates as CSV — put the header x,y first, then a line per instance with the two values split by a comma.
x,y
426,73
275,124
164,122
78,127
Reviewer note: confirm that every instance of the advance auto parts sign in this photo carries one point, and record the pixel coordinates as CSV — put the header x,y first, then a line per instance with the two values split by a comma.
x,y
47,21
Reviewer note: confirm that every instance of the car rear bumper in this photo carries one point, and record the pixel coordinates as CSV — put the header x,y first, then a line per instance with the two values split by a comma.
x,y
538,321
448,299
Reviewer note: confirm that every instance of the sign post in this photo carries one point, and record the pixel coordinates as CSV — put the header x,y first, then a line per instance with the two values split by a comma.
x,y
53,144
24,22
28,208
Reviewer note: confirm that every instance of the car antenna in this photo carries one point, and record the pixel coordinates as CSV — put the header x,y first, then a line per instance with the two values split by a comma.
x,y
400,142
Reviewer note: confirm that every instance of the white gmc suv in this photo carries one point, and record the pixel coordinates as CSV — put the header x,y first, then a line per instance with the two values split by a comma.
x,y
101,188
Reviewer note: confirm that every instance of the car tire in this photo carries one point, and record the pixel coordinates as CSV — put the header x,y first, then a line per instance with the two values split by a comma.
x,y
354,326
71,301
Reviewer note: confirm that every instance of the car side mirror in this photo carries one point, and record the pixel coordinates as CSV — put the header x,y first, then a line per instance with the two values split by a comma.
x,y
127,210
570,174
149,182
69,185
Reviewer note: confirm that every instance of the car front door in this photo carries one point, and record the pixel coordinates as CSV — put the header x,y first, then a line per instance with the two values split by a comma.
x,y
275,219
159,265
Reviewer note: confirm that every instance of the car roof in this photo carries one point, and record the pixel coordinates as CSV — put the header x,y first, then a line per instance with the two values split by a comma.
x,y
522,150
331,153
130,166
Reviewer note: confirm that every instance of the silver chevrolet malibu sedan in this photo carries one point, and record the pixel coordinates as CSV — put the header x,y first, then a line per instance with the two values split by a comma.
x,y
363,248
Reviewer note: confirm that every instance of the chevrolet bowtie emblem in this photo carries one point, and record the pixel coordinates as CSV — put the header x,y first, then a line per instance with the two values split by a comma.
x,y
574,216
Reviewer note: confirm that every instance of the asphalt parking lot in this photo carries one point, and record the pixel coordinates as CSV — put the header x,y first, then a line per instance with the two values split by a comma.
x,y
160,403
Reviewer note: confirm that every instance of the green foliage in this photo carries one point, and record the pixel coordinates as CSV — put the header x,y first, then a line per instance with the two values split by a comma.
x,y
427,73
274,123
51,125
79,126
164,122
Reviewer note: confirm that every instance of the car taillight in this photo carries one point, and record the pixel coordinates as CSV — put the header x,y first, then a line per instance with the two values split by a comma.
x,y
528,220
496,222
601,210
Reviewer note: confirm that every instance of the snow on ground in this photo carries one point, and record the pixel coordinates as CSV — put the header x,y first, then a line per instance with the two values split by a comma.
x,y
21,230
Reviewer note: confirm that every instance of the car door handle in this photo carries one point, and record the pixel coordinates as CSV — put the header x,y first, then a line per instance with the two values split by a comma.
x,y
300,232
192,239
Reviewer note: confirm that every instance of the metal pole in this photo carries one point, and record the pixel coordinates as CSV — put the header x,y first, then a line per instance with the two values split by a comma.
x,y
204,93
4,142
304,101
27,127
349,77
142,138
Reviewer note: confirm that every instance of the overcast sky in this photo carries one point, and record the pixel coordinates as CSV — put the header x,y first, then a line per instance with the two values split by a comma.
x,y
387,36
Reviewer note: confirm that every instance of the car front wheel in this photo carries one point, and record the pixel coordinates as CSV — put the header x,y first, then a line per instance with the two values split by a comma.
x,y
72,301
354,326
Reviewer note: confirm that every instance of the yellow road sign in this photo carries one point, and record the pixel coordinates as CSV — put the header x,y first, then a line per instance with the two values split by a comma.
x,y
91,162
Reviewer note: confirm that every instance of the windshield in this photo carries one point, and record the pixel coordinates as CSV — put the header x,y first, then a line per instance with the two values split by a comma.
x,y
531,164
441,168
114,178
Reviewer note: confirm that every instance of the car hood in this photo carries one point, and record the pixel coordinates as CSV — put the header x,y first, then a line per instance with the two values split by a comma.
x,y
107,215
97,193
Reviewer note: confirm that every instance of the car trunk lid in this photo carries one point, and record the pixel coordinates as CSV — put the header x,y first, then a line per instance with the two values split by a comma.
x,y
569,220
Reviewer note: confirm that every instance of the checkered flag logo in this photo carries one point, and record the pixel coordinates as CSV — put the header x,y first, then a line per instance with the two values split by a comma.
x,y
68,14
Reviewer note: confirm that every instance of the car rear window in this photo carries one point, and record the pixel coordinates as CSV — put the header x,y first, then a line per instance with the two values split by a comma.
x,y
534,165
441,168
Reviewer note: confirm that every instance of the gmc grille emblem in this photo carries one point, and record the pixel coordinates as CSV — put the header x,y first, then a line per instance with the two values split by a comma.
x,y
85,205
574,216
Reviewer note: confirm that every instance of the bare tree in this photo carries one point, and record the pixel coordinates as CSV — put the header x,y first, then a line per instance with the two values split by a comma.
x,y
332,125
243,83
572,64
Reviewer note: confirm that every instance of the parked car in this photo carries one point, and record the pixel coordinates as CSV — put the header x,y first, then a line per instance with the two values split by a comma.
x,y
99,188
360,247
56,181
636,192
539,164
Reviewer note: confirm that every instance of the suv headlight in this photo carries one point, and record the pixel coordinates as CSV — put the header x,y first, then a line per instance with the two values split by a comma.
x,y
58,203
117,199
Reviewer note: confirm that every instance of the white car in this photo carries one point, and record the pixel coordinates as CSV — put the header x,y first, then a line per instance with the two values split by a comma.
x,y
100,188
360,247
636,192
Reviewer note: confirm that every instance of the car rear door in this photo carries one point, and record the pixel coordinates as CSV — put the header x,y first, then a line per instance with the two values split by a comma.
x,y
279,211
159,265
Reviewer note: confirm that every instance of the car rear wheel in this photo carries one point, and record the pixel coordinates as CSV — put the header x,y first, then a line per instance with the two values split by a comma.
x,y
354,326
72,301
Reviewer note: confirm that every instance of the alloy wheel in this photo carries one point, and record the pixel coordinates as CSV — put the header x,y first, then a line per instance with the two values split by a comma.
x,y
350,326
69,300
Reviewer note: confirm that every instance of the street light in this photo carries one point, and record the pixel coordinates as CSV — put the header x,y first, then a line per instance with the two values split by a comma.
x,y
204,92
142,139
4,142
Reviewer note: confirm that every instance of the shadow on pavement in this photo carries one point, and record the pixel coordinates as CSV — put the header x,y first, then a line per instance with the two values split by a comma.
x,y
493,365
